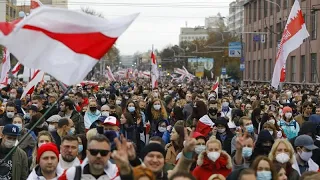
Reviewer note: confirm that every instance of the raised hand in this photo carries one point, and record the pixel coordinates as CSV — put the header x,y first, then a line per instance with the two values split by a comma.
x,y
120,156
190,142
241,137
131,151
214,131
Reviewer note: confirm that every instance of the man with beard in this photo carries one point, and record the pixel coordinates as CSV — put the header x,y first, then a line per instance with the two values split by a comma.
x,y
67,110
213,110
48,159
68,152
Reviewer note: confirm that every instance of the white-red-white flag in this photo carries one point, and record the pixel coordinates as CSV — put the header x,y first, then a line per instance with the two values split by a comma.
x,y
63,43
293,35
35,4
154,71
4,79
215,86
37,77
109,74
16,69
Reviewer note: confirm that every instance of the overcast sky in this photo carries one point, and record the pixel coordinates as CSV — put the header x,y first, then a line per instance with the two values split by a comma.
x,y
159,26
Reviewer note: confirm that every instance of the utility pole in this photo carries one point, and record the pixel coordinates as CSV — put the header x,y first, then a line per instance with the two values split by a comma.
x,y
241,60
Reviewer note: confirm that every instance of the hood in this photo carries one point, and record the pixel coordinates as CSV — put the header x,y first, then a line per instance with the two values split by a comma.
x,y
223,161
264,136
110,169
34,175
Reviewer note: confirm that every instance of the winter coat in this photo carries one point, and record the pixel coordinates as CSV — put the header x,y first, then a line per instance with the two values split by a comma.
x,y
78,121
205,167
37,175
171,154
29,143
311,164
291,129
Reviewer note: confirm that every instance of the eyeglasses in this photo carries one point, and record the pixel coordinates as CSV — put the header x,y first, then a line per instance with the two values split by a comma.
x,y
95,152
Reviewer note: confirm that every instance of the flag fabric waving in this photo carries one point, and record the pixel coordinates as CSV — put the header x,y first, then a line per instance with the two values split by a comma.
x,y
35,4
294,34
215,86
16,69
154,71
63,43
4,79
37,77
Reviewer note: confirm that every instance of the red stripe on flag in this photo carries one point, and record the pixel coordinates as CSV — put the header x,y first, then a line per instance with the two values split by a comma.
x,y
153,58
93,44
215,86
7,27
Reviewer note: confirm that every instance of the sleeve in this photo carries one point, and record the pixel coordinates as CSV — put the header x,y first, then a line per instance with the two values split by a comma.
x,y
25,169
184,165
80,125
233,145
166,137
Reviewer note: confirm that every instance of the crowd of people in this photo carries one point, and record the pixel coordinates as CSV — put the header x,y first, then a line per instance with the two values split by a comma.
x,y
128,130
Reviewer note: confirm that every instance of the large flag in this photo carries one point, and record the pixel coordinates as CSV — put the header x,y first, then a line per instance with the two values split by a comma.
x,y
154,71
16,69
109,74
294,34
35,4
4,79
215,86
63,43
37,77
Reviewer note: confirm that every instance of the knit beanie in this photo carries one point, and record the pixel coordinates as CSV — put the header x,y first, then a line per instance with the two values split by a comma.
x,y
47,147
286,109
152,147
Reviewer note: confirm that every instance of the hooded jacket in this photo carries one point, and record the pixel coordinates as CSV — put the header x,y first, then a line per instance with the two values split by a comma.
x,y
205,167
36,173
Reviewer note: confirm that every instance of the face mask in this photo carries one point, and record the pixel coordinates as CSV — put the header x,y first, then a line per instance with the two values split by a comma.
x,y
36,105
118,102
155,94
10,114
157,107
105,113
221,130
13,96
103,100
19,126
40,144
213,156
271,132
200,148
93,109
264,175
71,131
9,143
225,104
126,97
51,127
249,128
213,110
80,148
282,158
246,152
288,115
131,109
170,91
27,116
162,129
305,155
272,121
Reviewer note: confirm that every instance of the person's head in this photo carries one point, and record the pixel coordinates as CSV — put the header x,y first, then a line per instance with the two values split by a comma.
x,y
142,105
162,126
82,147
318,110
237,103
132,106
157,105
44,137
181,175
78,97
247,173
37,101
213,149
304,146
177,135
263,168
157,139
199,109
93,106
143,173
153,156
287,111
18,121
52,98
13,94
112,99
126,118
246,124
10,135
216,177
281,171
113,109
10,109
105,110
248,107
189,97
65,126
271,128
98,152
213,107
310,175
66,105
248,146
281,151
71,96
69,148
48,158
307,108
110,123
53,122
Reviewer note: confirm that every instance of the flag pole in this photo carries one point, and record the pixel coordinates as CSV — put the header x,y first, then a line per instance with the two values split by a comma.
x,y
34,126
151,69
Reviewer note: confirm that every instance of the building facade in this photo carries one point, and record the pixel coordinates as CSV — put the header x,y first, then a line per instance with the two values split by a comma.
x,y
236,16
262,16
191,34
8,11
212,22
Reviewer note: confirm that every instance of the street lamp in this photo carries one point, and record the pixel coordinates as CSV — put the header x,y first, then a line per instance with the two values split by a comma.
x,y
274,3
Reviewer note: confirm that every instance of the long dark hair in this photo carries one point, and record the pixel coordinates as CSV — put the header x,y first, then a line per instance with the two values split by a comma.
x,y
256,161
199,109
137,113
178,146
84,144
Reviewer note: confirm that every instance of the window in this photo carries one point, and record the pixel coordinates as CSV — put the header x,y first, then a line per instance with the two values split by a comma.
x,y
259,12
249,70
285,4
279,3
259,70
265,9
265,44
279,32
313,67
249,42
271,37
254,43
314,25
270,68
259,42
250,15
265,70
255,11
254,69
293,68
303,68
271,8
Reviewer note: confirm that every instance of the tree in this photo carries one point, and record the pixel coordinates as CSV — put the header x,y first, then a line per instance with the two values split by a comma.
x,y
233,70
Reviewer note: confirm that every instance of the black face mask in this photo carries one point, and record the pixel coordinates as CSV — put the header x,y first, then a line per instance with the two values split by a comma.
x,y
93,109
261,106
213,111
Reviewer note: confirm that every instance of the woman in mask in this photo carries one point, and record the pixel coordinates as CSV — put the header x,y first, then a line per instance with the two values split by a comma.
x,y
282,153
212,161
82,147
92,114
200,147
264,169
256,118
290,126
157,113
163,131
176,144
223,134
43,138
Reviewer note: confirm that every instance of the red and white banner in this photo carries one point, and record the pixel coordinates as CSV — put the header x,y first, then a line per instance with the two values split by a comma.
x,y
4,79
154,71
36,78
35,4
109,74
294,34
16,69
72,46
215,86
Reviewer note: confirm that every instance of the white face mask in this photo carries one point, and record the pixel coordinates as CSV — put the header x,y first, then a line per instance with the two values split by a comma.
x,y
305,155
105,113
282,158
9,143
157,107
10,114
271,132
118,102
272,121
51,127
288,115
200,148
213,156
222,130
103,100
162,129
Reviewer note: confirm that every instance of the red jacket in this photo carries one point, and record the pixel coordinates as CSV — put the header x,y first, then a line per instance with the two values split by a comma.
x,y
80,106
205,167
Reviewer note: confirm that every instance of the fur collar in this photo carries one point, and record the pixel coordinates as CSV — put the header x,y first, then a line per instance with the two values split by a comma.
x,y
223,154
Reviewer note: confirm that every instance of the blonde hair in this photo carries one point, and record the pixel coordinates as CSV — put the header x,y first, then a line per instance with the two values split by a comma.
x,y
272,154
217,176
159,114
91,132
213,140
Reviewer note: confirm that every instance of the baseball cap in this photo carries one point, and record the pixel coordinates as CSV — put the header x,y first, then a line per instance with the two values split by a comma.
x,y
111,120
305,141
54,118
11,130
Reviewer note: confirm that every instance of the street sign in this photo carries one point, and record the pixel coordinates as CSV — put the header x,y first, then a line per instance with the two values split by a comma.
x,y
235,49
223,71
257,38
242,67
263,38
242,60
